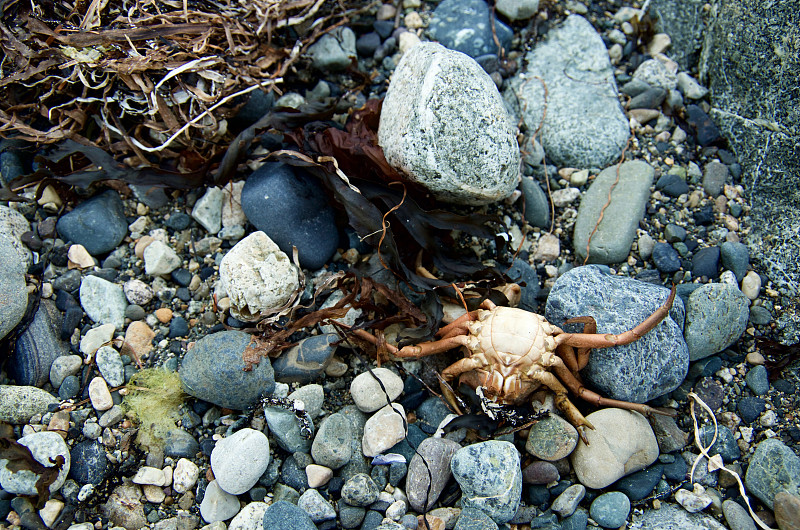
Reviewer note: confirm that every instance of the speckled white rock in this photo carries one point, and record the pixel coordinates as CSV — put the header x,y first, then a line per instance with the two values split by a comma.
x,y
96,337
250,518
99,394
517,9
367,393
13,224
109,362
159,259
257,276
384,429
137,292
103,301
152,476
445,126
609,456
239,460
751,285
44,446
185,475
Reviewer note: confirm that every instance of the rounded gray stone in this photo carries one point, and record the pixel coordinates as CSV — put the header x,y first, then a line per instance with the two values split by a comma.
x,y
45,447
716,316
551,438
103,301
239,460
773,467
19,403
38,347
13,294
332,446
610,510
444,125
429,471
490,478
98,224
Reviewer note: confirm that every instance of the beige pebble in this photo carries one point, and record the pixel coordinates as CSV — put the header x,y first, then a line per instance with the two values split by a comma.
x,y
142,243
751,285
386,12
407,40
149,475
318,475
79,258
659,43
548,248
223,304
139,337
195,283
721,204
99,394
433,522
50,511
167,476
153,494
59,423
731,223
350,256
787,511
413,21
642,116
164,314
336,368
755,358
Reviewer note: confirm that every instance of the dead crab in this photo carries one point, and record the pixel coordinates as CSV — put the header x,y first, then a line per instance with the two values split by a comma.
x,y
510,353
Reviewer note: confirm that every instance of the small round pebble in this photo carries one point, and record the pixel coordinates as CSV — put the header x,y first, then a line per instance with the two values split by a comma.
x,y
610,510
218,505
360,490
736,516
757,380
666,258
367,392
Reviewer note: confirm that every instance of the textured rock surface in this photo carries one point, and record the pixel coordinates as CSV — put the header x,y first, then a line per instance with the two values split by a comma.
x,y
38,347
103,301
13,295
98,224
19,403
45,447
643,370
12,225
673,517
584,125
257,276
213,370
716,317
609,456
444,125
465,26
433,456
753,79
611,243
490,478
773,467
239,460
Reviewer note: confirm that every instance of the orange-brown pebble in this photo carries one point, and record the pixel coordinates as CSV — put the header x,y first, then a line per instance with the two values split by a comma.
x,y
59,423
139,336
164,314
434,523
142,244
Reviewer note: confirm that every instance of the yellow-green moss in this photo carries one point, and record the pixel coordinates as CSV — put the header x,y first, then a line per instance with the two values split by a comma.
x,y
152,402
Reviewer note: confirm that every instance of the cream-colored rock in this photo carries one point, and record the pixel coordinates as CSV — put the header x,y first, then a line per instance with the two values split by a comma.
x,y
318,475
621,443
384,429
751,285
257,276
79,258
367,393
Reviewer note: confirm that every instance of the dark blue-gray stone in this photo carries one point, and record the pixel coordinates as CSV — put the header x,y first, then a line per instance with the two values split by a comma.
x,y
178,327
537,207
522,271
760,316
773,467
736,258
474,519
676,470
180,444
408,445
287,516
306,361
350,516
10,166
178,221
705,262
293,475
213,370
610,510
750,408
98,224
38,347
372,520
431,413
291,207
577,521
714,177
716,317
639,485
643,370
649,99
672,184
465,26
757,380
725,445
490,478
89,463
70,387
367,44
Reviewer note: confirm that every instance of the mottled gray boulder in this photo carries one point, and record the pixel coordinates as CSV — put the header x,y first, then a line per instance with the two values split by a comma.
x,y
773,467
19,403
490,478
213,370
13,293
584,125
749,62
466,26
444,125
716,316
643,370
611,242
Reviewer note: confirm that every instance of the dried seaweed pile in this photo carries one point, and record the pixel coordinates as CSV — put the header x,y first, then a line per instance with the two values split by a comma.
x,y
148,81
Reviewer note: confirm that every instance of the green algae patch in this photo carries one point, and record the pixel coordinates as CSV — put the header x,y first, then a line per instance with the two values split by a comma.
x,y
153,399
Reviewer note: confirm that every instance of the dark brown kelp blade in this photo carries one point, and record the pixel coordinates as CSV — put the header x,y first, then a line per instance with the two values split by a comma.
x,y
20,458
779,356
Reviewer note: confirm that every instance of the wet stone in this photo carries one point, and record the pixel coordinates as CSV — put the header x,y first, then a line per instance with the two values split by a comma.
x,y
666,258
610,510
705,263
98,224
710,391
540,472
551,438
306,361
452,20
639,485
773,467
672,184
750,408
757,380
490,478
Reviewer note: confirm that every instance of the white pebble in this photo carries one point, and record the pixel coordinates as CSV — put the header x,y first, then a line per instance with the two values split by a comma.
x,y
99,394
384,429
367,393
49,513
150,476
751,285
318,475
185,475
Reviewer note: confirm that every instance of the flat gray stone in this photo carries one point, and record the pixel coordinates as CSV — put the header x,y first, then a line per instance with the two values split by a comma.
x,y
673,517
444,125
611,243
490,478
429,472
584,125
19,403
103,301
773,467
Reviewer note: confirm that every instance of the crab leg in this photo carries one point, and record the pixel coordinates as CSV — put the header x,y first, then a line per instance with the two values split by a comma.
x,y
589,328
457,326
585,340
563,403
593,397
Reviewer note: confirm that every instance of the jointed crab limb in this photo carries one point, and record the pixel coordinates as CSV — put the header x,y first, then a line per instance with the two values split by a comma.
x,y
563,403
581,355
587,340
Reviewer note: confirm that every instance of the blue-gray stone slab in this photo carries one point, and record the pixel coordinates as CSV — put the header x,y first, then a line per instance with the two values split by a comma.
x,y
584,125
716,317
642,370
773,467
213,370
466,26
611,242
98,224
38,347
490,478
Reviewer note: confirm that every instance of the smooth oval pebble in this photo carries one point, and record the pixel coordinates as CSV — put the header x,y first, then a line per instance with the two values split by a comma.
x,y
283,514
19,403
239,460
610,510
218,505
367,392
